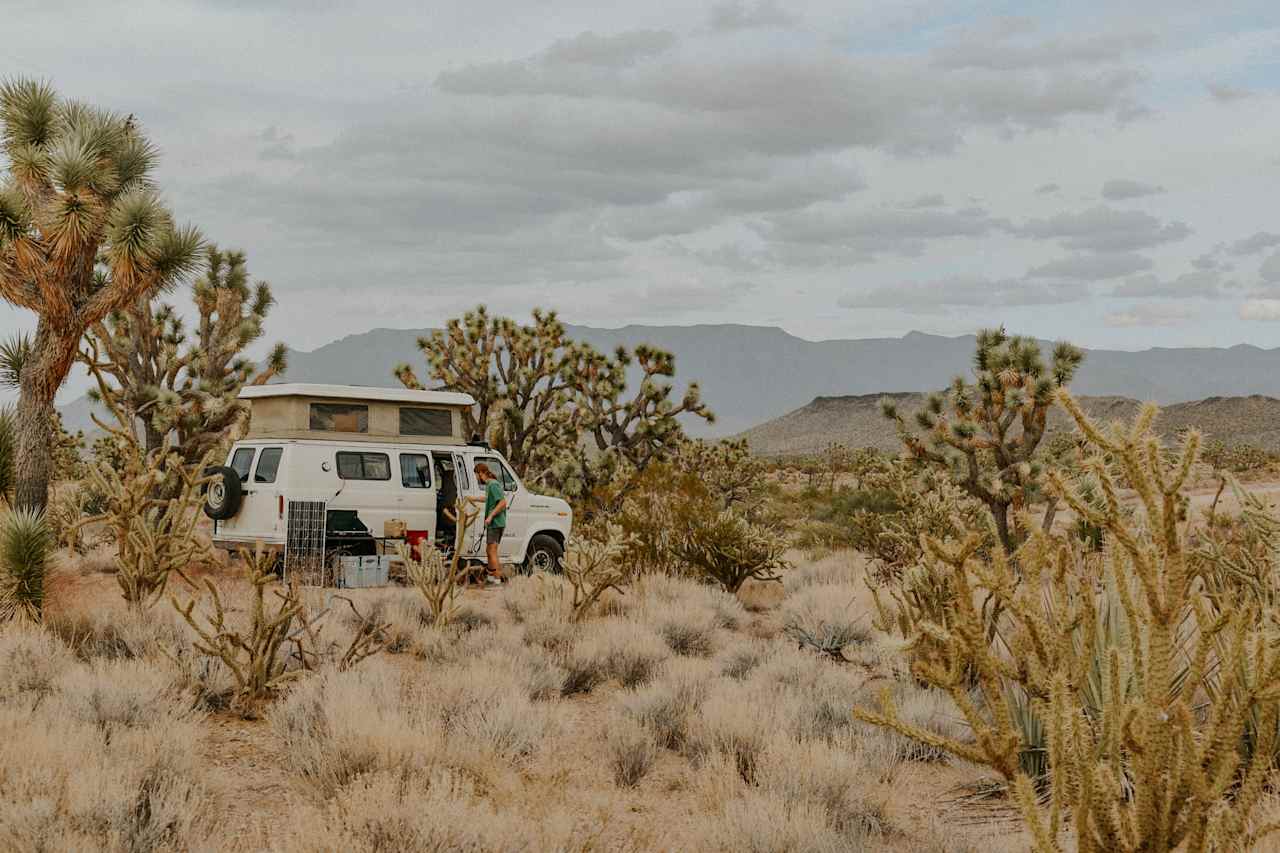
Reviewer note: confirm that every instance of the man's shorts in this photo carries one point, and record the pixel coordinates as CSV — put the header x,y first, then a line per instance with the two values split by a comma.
x,y
493,535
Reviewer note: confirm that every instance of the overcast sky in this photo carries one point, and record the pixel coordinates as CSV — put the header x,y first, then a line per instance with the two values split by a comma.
x,y
847,169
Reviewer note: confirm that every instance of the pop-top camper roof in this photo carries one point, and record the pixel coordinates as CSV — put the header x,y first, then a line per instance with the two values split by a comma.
x,y
355,413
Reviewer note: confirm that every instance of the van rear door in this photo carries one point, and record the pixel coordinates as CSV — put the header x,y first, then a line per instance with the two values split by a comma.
x,y
260,516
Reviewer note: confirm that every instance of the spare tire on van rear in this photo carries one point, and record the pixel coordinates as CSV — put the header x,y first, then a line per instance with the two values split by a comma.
x,y
224,495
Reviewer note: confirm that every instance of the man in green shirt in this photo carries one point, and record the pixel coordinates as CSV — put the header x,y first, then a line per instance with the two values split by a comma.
x,y
495,518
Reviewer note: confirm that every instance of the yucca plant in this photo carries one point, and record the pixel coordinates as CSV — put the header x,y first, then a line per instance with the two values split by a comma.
x,y
25,545
8,453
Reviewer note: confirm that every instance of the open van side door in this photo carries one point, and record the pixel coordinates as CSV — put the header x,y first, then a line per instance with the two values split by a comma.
x,y
473,537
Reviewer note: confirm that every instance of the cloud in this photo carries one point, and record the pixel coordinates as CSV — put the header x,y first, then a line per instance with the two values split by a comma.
x,y
608,51
1092,267
1270,269
826,235
1008,45
930,200
1047,189
1120,189
1225,93
1201,284
1261,310
1258,242
667,299
737,15
1105,229
1149,315
934,297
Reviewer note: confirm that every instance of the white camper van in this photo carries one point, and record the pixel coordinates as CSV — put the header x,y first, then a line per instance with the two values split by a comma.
x,y
352,462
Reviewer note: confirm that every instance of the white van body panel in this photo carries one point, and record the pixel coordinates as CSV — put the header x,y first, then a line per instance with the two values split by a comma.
x,y
309,470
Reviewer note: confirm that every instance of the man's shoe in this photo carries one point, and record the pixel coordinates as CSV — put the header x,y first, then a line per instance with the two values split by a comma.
x,y
493,580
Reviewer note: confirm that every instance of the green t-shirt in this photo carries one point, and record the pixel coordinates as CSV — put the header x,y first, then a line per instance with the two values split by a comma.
x,y
493,495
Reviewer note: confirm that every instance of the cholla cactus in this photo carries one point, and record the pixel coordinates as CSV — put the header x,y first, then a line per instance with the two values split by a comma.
x,y
1145,725
595,564
732,475
986,433
150,505
173,383
728,549
437,576
83,233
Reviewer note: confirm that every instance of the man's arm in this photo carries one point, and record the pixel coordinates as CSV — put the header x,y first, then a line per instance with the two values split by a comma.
x,y
502,504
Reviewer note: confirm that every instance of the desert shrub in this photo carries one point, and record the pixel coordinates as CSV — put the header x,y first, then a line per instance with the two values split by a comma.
x,y
829,778
727,549
425,813
843,567
632,751
31,662
25,546
620,649
758,823
94,757
1174,735
687,628
1236,458
821,618
738,661
666,707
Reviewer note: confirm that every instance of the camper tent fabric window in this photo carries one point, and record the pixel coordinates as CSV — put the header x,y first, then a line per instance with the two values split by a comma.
x,y
339,417
426,421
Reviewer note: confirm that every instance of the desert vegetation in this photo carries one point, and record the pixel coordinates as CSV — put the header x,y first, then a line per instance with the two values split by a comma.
x,y
1010,635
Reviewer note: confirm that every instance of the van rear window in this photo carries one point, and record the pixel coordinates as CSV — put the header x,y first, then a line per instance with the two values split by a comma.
x,y
242,462
426,421
364,466
339,417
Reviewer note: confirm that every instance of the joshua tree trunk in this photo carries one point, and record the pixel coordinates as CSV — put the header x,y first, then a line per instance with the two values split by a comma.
x,y
50,359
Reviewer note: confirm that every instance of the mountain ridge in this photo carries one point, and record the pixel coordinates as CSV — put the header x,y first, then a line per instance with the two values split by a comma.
x,y
750,375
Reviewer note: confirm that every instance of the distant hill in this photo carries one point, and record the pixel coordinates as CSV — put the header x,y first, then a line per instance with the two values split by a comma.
x,y
751,374
856,421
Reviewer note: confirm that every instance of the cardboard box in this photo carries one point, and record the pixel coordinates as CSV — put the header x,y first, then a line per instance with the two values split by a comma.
x,y
394,528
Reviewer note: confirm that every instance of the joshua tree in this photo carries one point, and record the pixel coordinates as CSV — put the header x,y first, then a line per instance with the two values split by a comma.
x,y
559,410
518,375
169,382
986,434
82,234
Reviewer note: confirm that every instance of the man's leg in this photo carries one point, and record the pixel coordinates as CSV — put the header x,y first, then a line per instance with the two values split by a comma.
x,y
495,567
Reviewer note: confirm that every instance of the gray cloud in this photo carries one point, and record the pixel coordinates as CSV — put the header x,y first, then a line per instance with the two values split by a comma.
x,y
1226,93
935,297
1008,45
834,236
1270,269
1105,229
1092,267
1258,242
930,200
1261,310
736,15
1160,314
1120,189
1047,189
1201,284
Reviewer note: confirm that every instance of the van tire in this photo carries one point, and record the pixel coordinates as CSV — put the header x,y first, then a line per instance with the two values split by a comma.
x,y
545,555
224,496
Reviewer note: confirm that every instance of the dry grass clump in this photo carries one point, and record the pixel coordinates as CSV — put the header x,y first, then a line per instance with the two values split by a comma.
x,y
822,617
687,628
666,707
840,567
94,756
632,751
613,649
426,813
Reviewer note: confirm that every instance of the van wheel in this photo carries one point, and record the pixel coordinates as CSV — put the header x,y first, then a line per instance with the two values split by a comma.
x,y
224,495
545,555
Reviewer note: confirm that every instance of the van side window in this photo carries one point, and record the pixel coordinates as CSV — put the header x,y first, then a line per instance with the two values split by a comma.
x,y
339,417
268,465
242,462
500,471
364,466
415,471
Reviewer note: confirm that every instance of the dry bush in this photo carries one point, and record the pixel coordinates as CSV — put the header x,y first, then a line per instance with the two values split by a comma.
x,y
687,628
613,649
93,757
740,660
756,822
832,777
822,618
426,813
842,567
729,549
666,707
632,751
